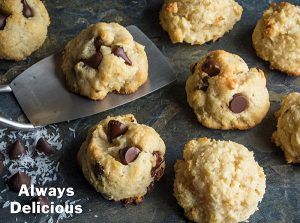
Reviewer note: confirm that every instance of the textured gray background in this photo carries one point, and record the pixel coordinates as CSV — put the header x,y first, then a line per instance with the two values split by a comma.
x,y
166,110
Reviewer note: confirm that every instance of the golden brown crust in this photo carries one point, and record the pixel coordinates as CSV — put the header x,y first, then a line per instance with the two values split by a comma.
x,y
288,127
119,181
112,74
199,21
213,183
276,37
21,36
211,105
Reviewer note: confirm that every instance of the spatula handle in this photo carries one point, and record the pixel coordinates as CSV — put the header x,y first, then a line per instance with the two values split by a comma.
x,y
5,89
10,123
16,125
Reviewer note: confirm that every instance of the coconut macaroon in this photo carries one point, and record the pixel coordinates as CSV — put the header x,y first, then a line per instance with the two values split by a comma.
x,y
199,21
287,135
104,58
276,37
122,159
213,182
23,28
225,94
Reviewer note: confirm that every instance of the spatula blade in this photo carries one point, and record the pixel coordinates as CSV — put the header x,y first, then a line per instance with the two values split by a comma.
x,y
42,95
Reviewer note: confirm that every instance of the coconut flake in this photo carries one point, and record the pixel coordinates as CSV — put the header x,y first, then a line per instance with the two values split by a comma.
x,y
41,168
6,204
73,132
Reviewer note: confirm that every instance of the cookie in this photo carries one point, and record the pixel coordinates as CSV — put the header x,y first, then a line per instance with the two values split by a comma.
x,y
276,37
225,94
213,182
287,135
122,159
104,58
199,21
23,28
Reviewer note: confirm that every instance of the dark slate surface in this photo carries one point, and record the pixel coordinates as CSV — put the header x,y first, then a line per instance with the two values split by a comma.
x,y
166,110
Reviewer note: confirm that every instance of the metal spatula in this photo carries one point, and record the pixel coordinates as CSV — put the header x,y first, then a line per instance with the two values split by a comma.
x,y
41,92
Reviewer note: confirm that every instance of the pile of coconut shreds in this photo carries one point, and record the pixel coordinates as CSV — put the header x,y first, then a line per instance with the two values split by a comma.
x,y
42,169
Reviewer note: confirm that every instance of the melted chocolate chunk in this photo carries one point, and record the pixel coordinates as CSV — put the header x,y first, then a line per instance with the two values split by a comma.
x,y
27,11
115,129
17,180
150,188
2,21
119,51
205,83
211,67
94,61
133,200
44,147
98,43
98,170
158,170
129,154
16,150
239,103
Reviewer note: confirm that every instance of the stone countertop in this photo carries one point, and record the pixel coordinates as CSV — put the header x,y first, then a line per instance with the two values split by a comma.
x,y
166,110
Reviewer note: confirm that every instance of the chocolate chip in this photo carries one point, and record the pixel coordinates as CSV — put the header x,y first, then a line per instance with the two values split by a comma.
x,y
238,103
44,201
98,43
1,167
2,21
2,157
98,170
16,150
205,84
211,67
44,147
27,11
133,200
158,170
129,154
17,180
119,51
115,129
94,61
150,188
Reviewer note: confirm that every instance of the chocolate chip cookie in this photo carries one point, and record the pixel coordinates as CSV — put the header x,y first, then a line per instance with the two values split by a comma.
x,y
225,93
104,58
122,159
199,21
287,135
218,181
23,28
276,37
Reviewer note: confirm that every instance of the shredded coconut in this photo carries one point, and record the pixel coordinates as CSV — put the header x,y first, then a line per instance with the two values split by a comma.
x,y
42,169
6,204
73,131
